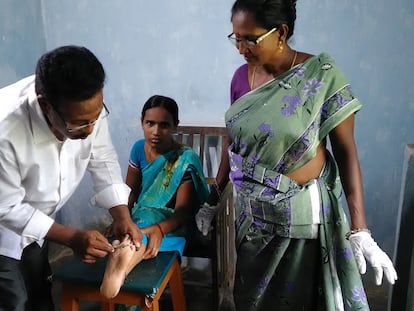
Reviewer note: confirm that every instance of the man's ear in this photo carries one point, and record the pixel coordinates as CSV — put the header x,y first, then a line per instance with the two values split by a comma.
x,y
43,104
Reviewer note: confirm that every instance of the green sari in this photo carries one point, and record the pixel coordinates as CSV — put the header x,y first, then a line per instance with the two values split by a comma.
x,y
291,248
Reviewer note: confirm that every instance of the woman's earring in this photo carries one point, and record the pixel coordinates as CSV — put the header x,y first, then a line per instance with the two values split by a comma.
x,y
280,46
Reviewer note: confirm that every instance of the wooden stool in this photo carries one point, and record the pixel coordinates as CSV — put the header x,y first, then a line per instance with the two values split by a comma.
x,y
143,286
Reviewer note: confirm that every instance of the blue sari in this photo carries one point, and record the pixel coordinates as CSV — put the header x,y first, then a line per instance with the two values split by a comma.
x,y
160,181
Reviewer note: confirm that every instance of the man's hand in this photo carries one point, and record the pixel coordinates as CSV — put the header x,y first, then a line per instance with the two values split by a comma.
x,y
87,244
90,245
123,225
364,247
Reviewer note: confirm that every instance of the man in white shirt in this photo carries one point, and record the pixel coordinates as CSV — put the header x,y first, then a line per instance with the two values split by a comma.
x,y
53,129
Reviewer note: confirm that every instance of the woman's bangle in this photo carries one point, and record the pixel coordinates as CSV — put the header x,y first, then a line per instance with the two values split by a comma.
x,y
351,232
160,228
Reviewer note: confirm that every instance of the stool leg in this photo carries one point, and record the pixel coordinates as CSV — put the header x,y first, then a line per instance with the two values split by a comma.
x,y
68,302
177,288
150,304
154,307
107,306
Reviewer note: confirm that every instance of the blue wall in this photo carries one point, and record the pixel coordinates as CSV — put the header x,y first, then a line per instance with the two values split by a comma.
x,y
372,41
22,39
179,48
175,48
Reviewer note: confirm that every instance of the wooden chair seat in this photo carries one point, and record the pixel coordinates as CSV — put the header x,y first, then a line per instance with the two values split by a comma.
x,y
143,286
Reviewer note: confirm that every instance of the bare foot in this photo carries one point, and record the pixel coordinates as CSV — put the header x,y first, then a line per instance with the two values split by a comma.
x,y
117,268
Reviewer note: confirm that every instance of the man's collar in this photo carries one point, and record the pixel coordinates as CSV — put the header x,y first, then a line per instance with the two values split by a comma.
x,y
40,129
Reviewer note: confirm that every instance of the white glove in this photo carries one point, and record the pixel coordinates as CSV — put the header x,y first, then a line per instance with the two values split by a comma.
x,y
363,246
205,216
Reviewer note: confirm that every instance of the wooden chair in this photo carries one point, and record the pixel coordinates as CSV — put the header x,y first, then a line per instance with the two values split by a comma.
x,y
208,142
143,286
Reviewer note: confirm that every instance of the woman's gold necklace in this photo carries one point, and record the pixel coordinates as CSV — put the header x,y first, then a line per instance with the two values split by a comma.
x,y
294,60
254,70
253,75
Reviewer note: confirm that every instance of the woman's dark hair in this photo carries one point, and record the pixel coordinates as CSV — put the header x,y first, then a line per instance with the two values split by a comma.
x,y
67,74
269,13
167,103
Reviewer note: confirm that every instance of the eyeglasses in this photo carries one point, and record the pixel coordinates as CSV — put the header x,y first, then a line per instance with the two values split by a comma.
x,y
102,115
249,42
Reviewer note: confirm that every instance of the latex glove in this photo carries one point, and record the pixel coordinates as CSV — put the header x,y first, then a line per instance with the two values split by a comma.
x,y
205,216
364,247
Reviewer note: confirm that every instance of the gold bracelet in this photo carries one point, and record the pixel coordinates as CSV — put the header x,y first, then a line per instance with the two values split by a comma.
x,y
348,234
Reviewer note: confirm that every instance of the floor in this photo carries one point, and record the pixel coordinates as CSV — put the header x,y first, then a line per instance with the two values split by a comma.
x,y
377,295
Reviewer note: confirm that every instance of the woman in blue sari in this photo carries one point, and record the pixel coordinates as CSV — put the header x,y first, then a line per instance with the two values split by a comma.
x,y
167,183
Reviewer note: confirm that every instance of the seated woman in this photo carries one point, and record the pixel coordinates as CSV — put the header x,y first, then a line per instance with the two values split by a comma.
x,y
167,183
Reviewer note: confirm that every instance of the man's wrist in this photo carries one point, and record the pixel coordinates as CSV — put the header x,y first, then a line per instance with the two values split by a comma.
x,y
120,212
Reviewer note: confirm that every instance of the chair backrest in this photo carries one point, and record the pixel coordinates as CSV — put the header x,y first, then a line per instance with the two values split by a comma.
x,y
208,142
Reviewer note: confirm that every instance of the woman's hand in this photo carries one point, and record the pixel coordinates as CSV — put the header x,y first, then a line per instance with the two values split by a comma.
x,y
365,248
155,236
205,216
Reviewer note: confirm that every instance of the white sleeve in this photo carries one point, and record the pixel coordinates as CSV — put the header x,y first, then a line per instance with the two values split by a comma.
x,y
15,214
104,167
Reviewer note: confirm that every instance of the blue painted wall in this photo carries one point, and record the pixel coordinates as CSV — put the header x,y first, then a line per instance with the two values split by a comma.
x,y
179,48
22,39
372,41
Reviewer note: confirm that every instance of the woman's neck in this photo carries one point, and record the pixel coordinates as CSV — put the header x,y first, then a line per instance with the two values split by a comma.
x,y
152,153
283,63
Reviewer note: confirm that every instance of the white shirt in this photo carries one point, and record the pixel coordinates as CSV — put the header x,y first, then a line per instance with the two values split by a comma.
x,y
38,173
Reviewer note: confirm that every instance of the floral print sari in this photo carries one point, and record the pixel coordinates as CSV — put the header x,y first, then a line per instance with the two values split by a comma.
x,y
291,248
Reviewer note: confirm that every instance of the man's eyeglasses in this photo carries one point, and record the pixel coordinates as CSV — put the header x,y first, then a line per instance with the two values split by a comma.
x,y
102,115
249,42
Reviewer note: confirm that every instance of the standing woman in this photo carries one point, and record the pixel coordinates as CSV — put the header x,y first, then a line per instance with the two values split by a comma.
x,y
292,234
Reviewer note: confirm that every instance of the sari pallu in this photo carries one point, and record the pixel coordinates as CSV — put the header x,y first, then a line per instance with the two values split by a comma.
x,y
290,238
160,181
